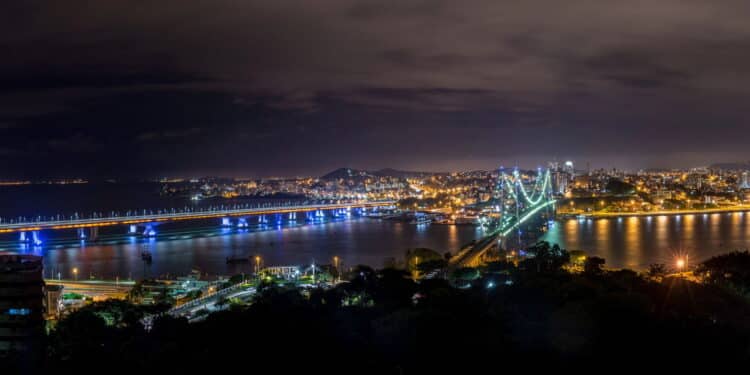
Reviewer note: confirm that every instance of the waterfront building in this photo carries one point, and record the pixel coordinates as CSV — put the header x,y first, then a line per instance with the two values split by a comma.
x,y
53,301
561,182
21,302
744,182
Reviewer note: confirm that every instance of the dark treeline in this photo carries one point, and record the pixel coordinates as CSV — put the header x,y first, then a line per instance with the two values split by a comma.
x,y
531,315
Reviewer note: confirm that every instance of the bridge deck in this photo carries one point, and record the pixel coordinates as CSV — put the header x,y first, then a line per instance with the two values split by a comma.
x,y
167,217
470,256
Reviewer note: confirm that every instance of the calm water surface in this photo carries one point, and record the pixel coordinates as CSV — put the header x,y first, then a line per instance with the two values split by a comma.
x,y
633,242
636,242
355,241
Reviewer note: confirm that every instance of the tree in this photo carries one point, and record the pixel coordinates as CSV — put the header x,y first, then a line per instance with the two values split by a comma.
x,y
546,257
465,274
418,256
135,295
236,279
730,270
619,187
393,288
593,265
500,266
657,270
577,257
82,334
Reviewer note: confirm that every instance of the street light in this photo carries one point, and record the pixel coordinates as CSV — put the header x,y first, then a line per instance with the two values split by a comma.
x,y
336,265
75,273
257,264
681,264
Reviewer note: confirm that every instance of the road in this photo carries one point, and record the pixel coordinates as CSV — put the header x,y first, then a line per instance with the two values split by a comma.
x,y
177,216
94,288
211,299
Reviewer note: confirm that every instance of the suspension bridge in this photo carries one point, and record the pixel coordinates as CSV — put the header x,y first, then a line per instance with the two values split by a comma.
x,y
519,201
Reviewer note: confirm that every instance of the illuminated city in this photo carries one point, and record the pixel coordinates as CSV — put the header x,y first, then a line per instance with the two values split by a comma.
x,y
381,187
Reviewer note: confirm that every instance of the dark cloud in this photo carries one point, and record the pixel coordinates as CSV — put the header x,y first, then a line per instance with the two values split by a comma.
x,y
292,86
159,136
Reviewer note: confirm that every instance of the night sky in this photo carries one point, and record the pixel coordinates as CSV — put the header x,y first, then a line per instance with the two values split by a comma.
x,y
268,88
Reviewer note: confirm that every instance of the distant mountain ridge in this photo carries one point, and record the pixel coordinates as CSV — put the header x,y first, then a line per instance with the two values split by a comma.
x,y
385,172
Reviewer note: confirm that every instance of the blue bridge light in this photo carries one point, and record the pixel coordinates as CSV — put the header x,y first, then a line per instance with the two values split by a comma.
x,y
35,238
150,231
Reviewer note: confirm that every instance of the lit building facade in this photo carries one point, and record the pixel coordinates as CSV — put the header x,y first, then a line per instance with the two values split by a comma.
x,y
21,301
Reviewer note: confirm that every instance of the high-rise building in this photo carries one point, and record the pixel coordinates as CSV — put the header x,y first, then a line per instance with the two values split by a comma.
x,y
568,168
560,182
744,183
561,176
21,302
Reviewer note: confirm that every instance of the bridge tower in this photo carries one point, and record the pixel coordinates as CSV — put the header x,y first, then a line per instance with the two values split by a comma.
x,y
526,201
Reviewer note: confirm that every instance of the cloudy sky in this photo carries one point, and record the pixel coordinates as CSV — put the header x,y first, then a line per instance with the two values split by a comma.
x,y
260,88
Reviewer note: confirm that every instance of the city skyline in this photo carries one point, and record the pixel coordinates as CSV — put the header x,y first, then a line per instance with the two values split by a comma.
x,y
369,186
259,89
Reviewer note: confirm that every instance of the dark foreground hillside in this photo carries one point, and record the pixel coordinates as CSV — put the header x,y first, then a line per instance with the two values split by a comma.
x,y
523,316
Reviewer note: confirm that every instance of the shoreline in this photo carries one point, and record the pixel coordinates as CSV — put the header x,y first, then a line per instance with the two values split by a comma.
x,y
604,215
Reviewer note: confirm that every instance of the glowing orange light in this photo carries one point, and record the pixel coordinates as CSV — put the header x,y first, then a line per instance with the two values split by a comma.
x,y
680,263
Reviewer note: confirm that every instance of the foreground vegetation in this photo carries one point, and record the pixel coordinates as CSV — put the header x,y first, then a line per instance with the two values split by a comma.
x,y
536,313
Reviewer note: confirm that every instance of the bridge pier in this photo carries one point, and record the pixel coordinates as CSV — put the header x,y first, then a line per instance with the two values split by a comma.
x,y
133,230
226,222
30,238
149,231
35,239
242,222
93,233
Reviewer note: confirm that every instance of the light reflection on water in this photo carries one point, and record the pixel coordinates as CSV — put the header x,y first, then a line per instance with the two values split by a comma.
x,y
355,241
636,242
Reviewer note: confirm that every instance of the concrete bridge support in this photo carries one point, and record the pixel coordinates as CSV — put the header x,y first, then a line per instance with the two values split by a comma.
x,y
150,231
31,237
242,222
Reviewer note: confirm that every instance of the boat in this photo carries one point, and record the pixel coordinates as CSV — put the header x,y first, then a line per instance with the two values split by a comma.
x,y
235,260
375,215
445,222
467,220
421,219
